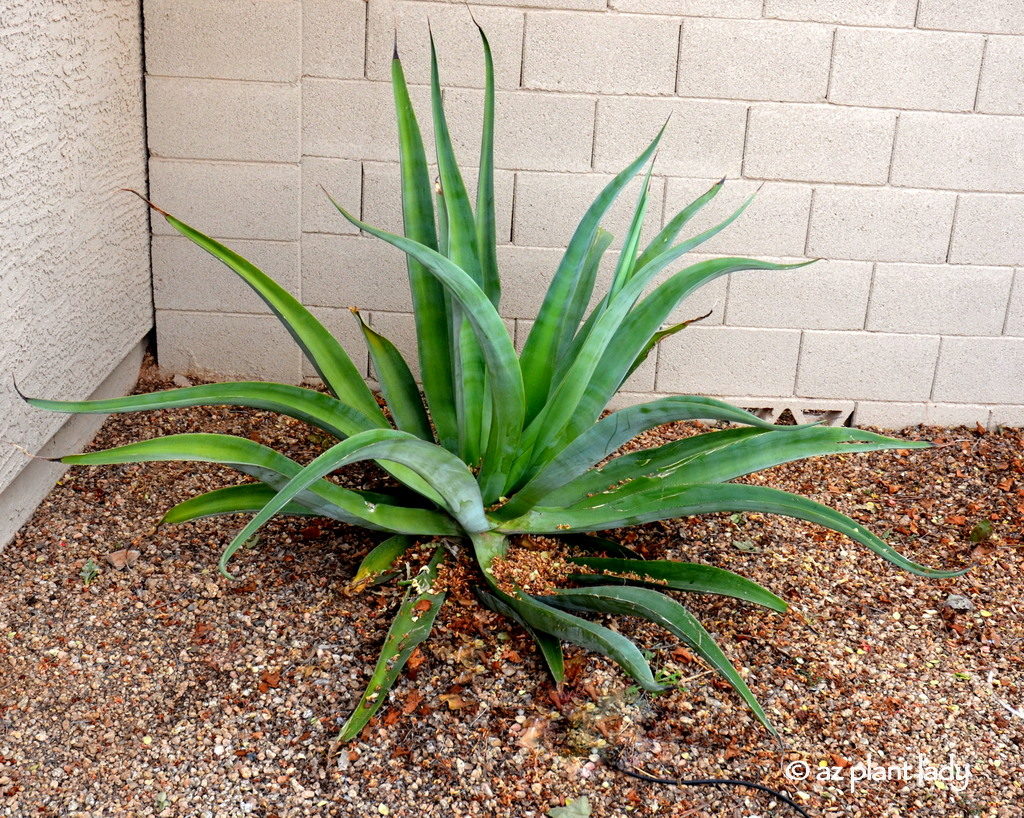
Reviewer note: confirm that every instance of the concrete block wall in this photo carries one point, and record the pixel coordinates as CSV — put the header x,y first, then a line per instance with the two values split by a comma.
x,y
886,138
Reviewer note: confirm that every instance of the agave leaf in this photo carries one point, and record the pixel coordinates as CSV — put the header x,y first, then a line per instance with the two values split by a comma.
x,y
330,360
608,434
323,411
375,565
582,293
410,627
396,383
661,504
468,368
659,459
442,470
663,241
627,258
658,337
754,453
550,327
428,295
486,232
686,576
549,646
543,617
749,453
274,469
673,617
248,497
503,372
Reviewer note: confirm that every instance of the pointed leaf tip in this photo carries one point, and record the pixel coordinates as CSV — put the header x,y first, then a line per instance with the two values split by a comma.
x,y
159,210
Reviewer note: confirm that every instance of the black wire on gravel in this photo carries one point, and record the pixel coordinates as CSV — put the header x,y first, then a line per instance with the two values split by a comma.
x,y
710,782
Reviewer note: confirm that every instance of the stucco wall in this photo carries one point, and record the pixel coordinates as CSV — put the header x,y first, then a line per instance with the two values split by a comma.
x,y
885,136
74,256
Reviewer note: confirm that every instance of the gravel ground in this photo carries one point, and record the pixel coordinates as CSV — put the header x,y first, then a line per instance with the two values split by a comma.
x,y
161,688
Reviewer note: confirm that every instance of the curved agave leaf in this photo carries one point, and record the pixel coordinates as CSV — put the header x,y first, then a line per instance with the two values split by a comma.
x,y
396,383
410,627
317,409
660,504
375,566
685,576
543,617
248,497
673,617
442,470
275,469
659,459
549,646
504,376
328,357
486,232
608,434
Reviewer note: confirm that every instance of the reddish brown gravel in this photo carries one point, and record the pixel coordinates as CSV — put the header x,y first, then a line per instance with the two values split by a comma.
x,y
162,688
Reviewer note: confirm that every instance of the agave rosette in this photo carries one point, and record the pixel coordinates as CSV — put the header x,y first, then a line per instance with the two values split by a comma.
x,y
497,443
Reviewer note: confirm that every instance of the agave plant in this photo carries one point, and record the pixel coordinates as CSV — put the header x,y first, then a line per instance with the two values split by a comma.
x,y
500,444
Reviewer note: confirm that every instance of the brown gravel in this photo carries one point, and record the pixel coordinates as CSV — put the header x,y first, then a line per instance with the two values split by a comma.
x,y
162,688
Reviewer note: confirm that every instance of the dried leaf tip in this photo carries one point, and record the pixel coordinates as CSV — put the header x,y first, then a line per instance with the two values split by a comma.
x,y
159,210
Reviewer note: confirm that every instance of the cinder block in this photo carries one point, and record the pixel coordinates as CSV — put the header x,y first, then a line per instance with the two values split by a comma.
x,y
729,360
980,370
334,38
824,295
550,205
642,380
774,223
691,8
1015,310
880,224
227,346
906,69
1007,416
188,278
887,415
355,119
527,273
581,5
896,13
382,196
344,327
229,39
227,200
957,414
459,50
532,131
354,271
608,54
703,137
819,143
1001,90
990,16
754,59
960,152
342,179
988,230
867,366
223,119
939,299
